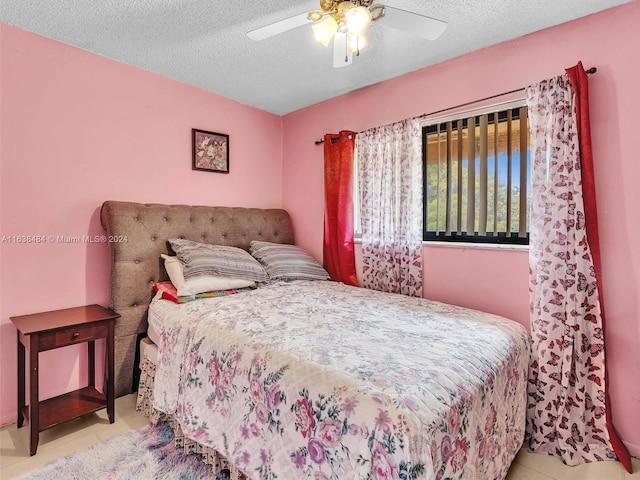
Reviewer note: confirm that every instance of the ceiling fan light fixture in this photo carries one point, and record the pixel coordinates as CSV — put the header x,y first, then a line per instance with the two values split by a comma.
x,y
325,30
358,20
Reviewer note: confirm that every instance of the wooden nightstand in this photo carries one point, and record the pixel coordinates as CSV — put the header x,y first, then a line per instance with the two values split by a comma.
x,y
49,330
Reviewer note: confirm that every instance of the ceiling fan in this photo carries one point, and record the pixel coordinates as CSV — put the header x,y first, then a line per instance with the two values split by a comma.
x,y
347,22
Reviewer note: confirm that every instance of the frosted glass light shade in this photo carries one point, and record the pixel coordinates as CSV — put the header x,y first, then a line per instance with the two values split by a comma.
x,y
358,20
325,30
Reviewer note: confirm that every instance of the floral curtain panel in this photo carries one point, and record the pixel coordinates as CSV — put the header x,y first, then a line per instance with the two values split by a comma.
x,y
567,407
390,179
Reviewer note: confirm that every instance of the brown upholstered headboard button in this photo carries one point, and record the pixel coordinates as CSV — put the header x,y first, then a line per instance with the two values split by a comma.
x,y
136,262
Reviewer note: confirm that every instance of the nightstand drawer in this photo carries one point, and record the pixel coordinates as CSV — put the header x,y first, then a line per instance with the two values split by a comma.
x,y
69,336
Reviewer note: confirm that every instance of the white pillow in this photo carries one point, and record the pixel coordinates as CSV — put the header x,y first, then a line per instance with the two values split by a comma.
x,y
207,283
174,269
199,284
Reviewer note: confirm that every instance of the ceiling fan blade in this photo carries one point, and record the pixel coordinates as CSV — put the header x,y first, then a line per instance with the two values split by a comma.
x,y
342,54
278,27
413,23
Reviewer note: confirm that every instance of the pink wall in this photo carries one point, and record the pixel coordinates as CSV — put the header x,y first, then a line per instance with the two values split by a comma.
x,y
492,280
78,129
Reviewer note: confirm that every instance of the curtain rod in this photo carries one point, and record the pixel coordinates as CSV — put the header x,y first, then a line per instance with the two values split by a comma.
x,y
591,71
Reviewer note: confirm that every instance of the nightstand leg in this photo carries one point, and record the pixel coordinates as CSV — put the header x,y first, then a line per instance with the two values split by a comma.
x,y
21,382
34,400
91,351
110,384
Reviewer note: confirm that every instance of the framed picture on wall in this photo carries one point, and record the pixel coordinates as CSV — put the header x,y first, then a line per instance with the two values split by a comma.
x,y
210,151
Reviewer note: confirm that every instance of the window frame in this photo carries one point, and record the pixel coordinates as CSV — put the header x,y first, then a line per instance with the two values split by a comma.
x,y
440,236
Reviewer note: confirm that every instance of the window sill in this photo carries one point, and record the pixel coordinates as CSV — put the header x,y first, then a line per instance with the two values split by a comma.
x,y
477,246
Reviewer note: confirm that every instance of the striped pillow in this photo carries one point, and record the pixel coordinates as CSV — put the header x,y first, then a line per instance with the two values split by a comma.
x,y
203,259
287,262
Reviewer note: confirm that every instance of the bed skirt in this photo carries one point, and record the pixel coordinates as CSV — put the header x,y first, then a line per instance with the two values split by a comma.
x,y
144,403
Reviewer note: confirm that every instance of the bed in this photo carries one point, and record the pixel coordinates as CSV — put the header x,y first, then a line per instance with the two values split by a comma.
x,y
316,379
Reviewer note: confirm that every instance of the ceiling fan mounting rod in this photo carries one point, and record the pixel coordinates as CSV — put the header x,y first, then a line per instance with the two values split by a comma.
x,y
326,5
337,9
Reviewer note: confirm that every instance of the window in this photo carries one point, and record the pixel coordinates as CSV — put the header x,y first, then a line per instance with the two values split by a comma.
x,y
476,177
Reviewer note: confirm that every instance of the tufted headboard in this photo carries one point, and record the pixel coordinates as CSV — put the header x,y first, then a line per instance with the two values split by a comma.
x,y
138,234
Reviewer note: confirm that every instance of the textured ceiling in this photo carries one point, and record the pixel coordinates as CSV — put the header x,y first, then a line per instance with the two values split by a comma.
x,y
204,42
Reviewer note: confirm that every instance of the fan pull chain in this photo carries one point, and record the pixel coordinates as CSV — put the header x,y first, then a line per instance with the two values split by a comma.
x,y
346,48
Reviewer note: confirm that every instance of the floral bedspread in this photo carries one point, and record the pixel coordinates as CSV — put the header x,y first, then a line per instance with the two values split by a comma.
x,y
319,380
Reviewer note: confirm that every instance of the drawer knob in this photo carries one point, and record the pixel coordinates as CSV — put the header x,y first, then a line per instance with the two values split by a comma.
x,y
75,335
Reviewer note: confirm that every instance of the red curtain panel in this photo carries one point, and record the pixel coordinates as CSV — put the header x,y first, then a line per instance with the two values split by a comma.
x,y
339,256
579,82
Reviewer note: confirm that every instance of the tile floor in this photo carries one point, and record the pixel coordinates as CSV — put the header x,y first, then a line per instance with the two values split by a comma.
x,y
90,429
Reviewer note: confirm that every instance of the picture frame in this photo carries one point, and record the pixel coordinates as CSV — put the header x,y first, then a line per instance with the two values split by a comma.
x,y
210,151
